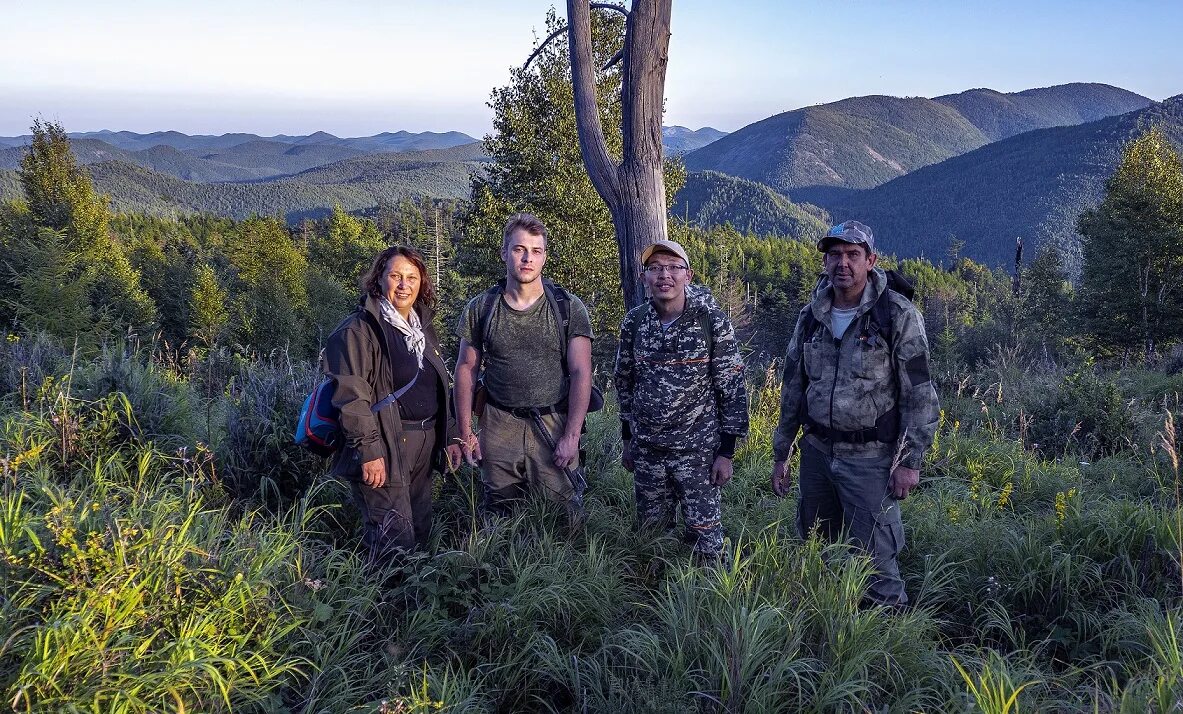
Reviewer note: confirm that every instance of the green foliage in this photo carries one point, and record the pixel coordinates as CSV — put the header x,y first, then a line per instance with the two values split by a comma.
x,y
1133,250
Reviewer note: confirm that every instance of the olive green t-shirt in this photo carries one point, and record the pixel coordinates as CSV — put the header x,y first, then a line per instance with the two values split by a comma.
x,y
523,359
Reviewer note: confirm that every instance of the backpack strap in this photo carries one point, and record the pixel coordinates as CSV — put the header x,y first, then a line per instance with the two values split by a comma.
x,y
560,305
484,325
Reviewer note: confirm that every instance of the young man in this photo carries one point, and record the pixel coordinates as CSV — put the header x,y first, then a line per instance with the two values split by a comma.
x,y
515,332
856,377
683,403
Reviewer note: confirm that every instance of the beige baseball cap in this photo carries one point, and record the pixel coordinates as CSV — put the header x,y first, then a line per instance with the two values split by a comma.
x,y
665,246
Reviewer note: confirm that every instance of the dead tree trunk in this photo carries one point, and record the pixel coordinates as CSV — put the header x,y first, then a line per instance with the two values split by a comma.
x,y
634,189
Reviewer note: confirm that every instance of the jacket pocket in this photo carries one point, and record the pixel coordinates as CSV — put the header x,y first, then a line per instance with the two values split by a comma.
x,y
814,354
872,363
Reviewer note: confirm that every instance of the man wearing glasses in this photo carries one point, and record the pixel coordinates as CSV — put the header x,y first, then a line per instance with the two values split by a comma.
x,y
683,404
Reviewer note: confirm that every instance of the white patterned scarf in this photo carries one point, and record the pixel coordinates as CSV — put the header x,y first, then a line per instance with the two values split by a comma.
x,y
411,330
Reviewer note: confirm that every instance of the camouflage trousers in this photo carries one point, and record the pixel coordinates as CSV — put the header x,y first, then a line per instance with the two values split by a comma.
x,y
848,498
515,461
664,479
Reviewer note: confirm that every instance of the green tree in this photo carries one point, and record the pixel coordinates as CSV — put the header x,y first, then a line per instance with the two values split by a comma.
x,y
208,315
1046,298
344,245
537,167
60,197
45,294
269,301
1133,250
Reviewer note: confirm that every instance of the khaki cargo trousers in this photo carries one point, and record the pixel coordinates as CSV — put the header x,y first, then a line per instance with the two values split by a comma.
x,y
516,462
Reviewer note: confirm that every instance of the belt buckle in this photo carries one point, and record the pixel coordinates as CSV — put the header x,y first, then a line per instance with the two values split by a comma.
x,y
521,412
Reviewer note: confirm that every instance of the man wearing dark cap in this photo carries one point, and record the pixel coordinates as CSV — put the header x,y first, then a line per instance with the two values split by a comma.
x,y
856,380
683,404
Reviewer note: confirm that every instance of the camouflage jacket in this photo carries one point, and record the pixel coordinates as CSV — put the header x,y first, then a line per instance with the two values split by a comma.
x,y
682,386
852,383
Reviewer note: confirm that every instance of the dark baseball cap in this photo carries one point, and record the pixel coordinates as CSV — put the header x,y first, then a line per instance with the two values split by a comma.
x,y
848,232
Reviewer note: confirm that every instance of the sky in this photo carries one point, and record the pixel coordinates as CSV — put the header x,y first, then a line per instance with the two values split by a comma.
x,y
360,67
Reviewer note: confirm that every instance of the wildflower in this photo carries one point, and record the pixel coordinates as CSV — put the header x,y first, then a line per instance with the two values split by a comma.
x,y
1004,497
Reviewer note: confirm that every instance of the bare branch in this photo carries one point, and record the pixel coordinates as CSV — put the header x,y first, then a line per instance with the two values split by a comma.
x,y
615,59
563,29
609,6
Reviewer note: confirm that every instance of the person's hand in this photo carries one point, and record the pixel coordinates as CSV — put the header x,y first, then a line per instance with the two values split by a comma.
x,y
567,450
903,480
626,457
471,446
455,456
782,478
722,470
373,473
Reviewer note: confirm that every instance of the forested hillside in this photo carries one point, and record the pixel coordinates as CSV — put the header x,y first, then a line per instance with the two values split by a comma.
x,y
362,182
1034,185
865,141
710,198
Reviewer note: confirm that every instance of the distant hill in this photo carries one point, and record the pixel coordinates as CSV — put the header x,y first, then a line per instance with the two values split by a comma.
x,y
710,198
274,158
1033,185
678,140
386,141
866,141
1000,115
355,183
249,161
160,158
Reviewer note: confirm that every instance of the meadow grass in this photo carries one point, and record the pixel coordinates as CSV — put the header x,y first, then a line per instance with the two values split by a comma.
x,y
163,548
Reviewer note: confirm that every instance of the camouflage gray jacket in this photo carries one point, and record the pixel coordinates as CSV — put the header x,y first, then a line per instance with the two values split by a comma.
x,y
851,384
683,386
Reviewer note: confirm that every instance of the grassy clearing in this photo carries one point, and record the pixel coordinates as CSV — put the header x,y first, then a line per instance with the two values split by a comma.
x,y
162,548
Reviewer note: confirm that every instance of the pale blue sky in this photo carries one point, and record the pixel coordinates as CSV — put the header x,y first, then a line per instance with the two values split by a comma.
x,y
358,67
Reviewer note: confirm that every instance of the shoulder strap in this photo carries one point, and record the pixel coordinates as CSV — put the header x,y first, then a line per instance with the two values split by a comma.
x,y
560,304
484,325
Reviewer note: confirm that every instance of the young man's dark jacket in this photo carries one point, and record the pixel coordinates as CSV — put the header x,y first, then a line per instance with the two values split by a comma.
x,y
358,362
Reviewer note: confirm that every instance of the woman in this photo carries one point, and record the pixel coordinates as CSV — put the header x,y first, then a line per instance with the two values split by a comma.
x,y
394,394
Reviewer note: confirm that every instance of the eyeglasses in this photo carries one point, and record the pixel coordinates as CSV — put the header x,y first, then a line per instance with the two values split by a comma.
x,y
671,269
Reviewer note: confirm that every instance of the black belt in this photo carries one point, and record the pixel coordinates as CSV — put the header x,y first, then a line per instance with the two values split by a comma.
x,y
524,412
421,425
886,430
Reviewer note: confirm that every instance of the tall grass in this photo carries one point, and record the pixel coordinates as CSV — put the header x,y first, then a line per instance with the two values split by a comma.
x,y
163,547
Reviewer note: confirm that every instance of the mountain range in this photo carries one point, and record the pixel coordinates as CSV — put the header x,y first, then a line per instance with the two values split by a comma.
x,y
980,166
1033,185
863,142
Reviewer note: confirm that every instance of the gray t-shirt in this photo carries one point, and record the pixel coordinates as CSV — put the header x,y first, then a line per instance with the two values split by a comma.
x,y
523,358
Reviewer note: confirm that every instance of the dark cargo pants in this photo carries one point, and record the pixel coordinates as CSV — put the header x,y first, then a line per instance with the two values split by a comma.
x,y
664,479
848,496
398,515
